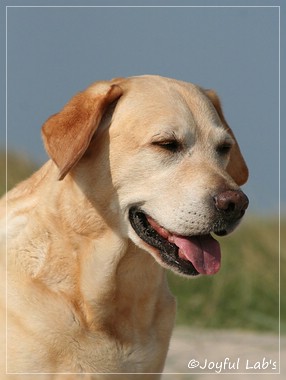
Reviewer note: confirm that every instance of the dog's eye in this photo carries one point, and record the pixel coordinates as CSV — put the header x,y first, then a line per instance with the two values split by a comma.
x,y
223,149
170,145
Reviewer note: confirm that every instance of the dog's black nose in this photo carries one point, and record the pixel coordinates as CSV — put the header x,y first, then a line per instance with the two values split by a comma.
x,y
232,203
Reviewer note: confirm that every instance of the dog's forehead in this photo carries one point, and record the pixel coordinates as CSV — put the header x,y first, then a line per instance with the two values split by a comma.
x,y
161,91
151,100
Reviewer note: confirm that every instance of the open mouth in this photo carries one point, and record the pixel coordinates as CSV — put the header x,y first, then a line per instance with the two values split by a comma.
x,y
189,255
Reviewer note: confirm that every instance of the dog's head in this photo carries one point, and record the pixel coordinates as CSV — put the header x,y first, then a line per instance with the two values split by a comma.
x,y
172,161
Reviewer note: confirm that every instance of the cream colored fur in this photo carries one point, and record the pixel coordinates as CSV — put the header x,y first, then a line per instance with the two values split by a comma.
x,y
84,293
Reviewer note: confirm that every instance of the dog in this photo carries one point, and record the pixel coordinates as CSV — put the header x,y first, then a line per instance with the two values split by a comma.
x,y
143,170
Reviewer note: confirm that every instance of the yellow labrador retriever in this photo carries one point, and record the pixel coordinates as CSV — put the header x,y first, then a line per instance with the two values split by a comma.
x,y
143,170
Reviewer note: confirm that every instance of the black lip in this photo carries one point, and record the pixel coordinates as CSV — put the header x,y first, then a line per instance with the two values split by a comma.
x,y
223,226
168,251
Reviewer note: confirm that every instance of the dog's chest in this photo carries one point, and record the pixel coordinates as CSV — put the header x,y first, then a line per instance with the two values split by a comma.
x,y
83,351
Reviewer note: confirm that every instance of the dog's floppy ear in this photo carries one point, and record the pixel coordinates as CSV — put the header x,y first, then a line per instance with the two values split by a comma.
x,y
236,167
68,133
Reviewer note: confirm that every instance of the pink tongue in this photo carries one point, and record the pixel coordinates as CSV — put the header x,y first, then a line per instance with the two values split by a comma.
x,y
202,251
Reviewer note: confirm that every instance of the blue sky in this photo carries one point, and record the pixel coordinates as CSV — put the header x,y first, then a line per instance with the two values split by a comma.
x,y
53,52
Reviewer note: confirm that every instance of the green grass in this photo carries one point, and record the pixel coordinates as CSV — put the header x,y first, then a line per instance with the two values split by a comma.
x,y
245,292
19,167
243,295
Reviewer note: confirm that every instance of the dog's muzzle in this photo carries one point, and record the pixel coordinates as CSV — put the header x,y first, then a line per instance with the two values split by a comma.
x,y
197,254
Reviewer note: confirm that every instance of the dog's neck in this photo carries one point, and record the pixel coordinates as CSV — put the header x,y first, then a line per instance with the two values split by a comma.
x,y
106,276
128,283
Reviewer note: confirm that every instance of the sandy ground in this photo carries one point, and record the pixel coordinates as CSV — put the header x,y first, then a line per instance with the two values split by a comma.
x,y
204,355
